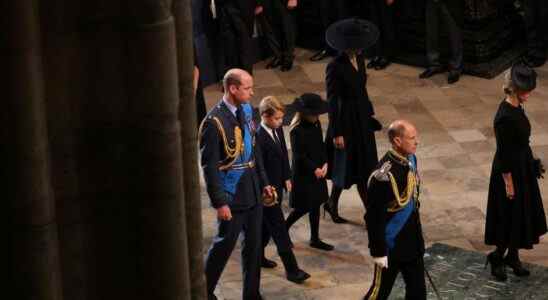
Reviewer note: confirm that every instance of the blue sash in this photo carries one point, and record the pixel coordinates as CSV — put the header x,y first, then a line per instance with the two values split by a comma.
x,y
230,177
399,219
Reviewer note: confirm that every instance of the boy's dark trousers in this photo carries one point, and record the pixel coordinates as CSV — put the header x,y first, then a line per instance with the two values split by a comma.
x,y
249,221
274,226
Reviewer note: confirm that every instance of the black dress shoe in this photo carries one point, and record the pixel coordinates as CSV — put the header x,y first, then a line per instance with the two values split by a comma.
x,y
298,277
274,63
373,63
268,264
431,71
286,65
454,76
320,55
319,244
382,63
497,266
333,213
517,267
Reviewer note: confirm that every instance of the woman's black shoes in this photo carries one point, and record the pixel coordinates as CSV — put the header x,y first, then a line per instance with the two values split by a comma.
x,y
333,214
517,267
497,266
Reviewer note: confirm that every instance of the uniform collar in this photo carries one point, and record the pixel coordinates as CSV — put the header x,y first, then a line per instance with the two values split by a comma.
x,y
231,107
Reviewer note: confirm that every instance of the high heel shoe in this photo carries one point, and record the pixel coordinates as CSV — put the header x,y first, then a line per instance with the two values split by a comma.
x,y
517,267
334,216
497,266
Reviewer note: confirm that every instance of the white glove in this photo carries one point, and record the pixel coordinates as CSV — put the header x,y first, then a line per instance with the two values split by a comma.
x,y
381,261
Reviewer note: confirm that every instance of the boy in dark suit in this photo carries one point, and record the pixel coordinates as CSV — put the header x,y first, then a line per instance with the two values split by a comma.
x,y
270,138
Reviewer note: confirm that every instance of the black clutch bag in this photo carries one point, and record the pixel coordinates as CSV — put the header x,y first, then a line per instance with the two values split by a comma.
x,y
538,168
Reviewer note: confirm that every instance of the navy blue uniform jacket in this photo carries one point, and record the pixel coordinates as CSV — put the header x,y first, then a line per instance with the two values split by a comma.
x,y
249,188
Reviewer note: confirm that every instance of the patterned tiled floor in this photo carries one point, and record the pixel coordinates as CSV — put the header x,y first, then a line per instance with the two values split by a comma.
x,y
455,152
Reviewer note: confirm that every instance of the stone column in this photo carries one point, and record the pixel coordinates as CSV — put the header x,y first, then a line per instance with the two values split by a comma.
x,y
187,118
32,263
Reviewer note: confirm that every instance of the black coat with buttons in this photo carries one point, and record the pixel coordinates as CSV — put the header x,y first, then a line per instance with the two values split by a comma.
x,y
309,153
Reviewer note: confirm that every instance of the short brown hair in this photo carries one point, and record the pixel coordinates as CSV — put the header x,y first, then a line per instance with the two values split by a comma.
x,y
270,105
232,77
396,129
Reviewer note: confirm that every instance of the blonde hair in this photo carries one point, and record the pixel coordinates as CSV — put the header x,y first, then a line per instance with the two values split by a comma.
x,y
270,105
295,121
508,86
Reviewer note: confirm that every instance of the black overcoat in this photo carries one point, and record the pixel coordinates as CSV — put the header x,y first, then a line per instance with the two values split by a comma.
x,y
516,223
309,153
350,116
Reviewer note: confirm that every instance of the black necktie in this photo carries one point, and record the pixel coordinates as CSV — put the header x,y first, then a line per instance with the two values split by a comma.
x,y
276,139
240,118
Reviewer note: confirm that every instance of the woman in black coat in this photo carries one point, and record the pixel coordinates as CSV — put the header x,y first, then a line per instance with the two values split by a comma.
x,y
309,166
515,215
350,139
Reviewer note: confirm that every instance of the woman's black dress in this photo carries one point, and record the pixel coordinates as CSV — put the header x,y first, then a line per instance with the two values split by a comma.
x,y
351,116
516,223
309,154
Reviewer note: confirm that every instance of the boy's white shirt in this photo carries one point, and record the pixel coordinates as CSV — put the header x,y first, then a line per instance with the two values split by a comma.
x,y
268,129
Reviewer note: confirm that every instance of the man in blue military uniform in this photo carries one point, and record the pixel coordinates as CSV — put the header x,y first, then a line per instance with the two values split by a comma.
x,y
393,223
234,175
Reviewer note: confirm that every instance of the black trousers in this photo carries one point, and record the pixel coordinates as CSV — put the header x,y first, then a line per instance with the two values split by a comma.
x,y
436,14
536,23
413,276
236,40
274,226
382,15
314,218
248,221
283,24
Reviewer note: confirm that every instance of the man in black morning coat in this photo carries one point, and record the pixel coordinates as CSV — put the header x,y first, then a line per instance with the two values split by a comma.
x,y
393,223
234,174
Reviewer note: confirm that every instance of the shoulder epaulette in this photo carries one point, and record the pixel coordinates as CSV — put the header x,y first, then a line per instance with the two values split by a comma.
x,y
381,174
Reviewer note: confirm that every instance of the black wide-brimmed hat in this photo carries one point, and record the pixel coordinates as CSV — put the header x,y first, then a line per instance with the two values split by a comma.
x,y
523,77
351,33
310,104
